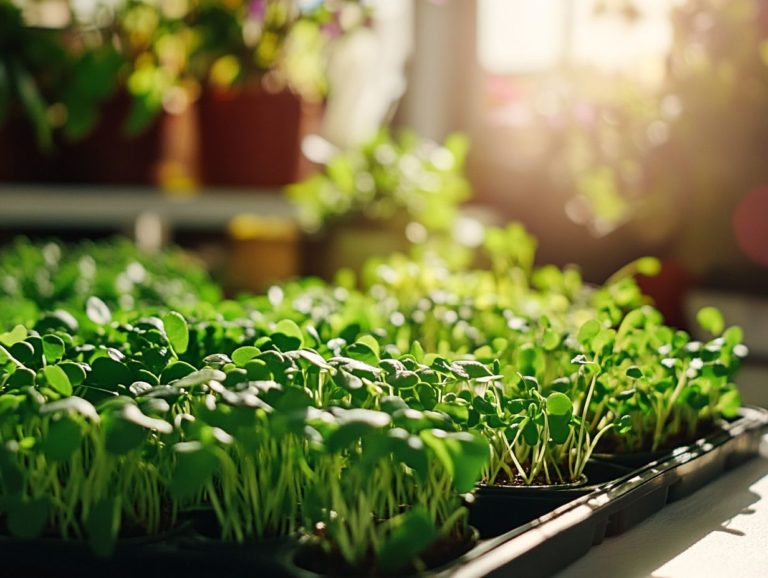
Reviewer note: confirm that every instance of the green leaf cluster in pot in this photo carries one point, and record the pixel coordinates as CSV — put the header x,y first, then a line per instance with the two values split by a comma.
x,y
283,42
387,179
158,54
60,79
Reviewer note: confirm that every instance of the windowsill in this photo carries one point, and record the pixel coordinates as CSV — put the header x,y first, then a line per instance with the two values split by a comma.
x,y
719,531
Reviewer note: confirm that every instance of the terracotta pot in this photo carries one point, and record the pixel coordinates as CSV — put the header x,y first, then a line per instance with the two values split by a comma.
x,y
252,138
22,161
105,156
108,155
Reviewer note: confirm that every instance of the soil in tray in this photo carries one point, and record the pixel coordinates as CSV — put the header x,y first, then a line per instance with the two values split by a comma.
x,y
311,557
539,481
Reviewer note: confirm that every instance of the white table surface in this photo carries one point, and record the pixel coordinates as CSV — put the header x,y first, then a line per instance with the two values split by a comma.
x,y
721,531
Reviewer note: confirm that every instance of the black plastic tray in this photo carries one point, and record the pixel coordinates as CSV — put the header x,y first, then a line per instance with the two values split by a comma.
x,y
526,532
550,542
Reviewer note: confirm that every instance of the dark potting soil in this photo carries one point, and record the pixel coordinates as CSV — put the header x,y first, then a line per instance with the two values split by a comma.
x,y
503,480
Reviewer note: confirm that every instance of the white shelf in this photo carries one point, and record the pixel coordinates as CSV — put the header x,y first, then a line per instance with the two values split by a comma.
x,y
88,207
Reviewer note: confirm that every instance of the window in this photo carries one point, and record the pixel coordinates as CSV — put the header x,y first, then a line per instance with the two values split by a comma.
x,y
524,36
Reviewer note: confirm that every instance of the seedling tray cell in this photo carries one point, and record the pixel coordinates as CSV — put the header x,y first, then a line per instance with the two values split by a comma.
x,y
498,509
550,542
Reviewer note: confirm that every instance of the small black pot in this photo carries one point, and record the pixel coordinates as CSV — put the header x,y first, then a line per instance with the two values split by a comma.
x,y
499,509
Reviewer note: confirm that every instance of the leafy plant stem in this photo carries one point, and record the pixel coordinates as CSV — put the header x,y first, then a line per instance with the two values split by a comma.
x,y
585,411
657,434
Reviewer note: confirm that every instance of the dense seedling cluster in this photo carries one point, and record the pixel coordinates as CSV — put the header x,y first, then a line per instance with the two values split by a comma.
x,y
40,278
357,417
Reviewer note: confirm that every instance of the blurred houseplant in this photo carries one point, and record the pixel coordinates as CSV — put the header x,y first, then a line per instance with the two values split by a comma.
x,y
110,82
95,87
33,62
692,144
262,65
373,199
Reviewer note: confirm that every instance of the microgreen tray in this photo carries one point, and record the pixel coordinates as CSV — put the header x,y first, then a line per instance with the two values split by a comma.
x,y
548,543
536,531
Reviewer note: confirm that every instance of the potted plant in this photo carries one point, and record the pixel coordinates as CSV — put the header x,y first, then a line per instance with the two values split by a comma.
x,y
97,90
148,91
490,308
262,67
369,200
32,61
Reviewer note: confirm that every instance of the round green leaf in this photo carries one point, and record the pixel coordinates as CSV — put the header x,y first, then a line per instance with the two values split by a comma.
x,y
72,404
21,377
175,371
648,266
200,377
258,370
729,402
177,331
559,404
57,320
531,433
58,379
427,395
711,320
243,355
559,428
363,353
53,348
131,413
123,436
74,371
470,369
22,351
287,335
588,331
371,343
550,340
195,466
470,454
412,532
109,373
15,335
634,372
